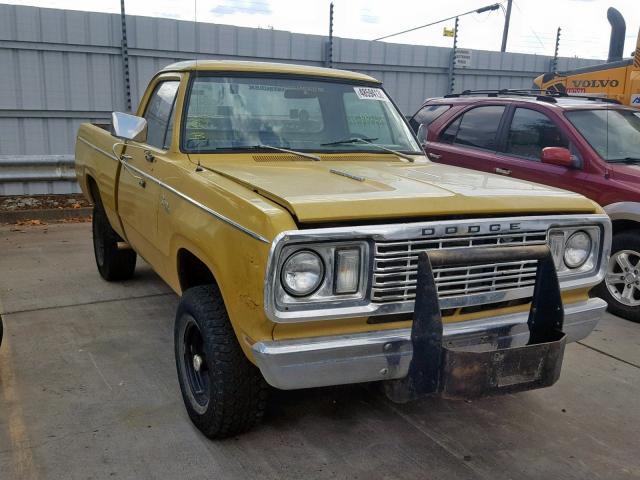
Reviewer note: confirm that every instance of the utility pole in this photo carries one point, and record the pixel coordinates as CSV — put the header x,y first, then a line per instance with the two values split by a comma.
x,y
329,45
125,57
505,32
554,62
452,64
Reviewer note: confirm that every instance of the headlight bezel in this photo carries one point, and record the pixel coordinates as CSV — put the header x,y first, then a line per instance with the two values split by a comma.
x,y
557,240
324,293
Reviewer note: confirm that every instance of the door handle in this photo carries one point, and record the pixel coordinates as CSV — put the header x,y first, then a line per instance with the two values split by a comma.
x,y
502,171
434,156
123,159
148,156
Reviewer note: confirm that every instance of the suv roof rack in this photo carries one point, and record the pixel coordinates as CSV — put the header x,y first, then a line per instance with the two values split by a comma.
x,y
549,96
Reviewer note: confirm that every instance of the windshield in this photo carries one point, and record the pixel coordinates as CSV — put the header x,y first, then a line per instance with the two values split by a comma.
x,y
292,113
614,134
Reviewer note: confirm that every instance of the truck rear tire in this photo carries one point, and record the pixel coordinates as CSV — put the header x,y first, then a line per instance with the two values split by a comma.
x,y
621,286
223,392
113,263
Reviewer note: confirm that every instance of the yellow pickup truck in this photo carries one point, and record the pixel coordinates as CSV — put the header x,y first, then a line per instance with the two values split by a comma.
x,y
312,243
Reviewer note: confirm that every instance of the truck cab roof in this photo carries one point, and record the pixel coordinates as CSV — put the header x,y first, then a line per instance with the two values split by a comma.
x,y
265,67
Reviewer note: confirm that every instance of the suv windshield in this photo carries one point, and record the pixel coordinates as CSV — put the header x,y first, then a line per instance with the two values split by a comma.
x,y
614,134
293,113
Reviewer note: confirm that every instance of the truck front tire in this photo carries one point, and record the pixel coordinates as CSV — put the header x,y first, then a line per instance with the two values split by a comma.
x,y
223,392
113,263
621,287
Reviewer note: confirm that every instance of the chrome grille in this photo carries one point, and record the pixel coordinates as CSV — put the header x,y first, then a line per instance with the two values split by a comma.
x,y
396,266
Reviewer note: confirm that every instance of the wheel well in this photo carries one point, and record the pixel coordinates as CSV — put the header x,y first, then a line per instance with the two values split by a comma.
x,y
92,187
623,225
192,271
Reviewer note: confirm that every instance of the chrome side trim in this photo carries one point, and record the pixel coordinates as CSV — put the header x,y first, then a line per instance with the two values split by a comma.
x,y
386,354
194,202
348,309
98,149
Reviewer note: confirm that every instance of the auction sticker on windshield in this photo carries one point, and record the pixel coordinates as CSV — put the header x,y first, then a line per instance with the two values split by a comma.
x,y
368,93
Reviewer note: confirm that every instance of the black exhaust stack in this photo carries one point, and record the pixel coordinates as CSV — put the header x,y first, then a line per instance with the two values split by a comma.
x,y
618,30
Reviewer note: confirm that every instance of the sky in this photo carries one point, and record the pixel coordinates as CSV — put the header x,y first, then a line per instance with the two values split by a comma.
x,y
585,29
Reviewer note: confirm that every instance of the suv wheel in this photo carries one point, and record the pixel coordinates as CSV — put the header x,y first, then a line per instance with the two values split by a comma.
x,y
223,392
621,287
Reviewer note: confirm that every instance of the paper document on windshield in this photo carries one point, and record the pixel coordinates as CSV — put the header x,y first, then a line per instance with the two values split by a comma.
x,y
369,93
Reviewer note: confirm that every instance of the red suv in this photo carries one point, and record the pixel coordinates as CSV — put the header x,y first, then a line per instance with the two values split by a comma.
x,y
587,145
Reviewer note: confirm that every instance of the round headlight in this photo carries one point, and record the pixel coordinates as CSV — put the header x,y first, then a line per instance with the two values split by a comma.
x,y
302,273
577,249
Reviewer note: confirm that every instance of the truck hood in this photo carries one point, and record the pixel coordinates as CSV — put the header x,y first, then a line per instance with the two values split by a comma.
x,y
330,191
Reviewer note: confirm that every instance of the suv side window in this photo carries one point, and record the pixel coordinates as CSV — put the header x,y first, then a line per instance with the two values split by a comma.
x,y
530,132
427,115
477,128
159,114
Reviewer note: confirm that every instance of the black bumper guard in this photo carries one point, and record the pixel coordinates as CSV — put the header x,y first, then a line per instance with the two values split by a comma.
x,y
465,373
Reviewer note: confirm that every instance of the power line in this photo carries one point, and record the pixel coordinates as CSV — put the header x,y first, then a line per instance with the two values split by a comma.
x,y
528,24
487,8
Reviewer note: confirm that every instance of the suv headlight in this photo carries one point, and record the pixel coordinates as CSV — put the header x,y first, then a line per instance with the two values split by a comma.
x,y
302,273
577,249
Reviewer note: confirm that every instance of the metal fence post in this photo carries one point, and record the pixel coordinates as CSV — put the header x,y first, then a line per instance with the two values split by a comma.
x,y
452,63
125,58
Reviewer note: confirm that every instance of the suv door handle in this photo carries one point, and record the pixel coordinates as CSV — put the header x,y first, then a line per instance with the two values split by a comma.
x,y
434,156
502,171
148,156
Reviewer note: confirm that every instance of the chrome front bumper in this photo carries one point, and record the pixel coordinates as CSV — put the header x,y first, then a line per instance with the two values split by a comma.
x,y
386,354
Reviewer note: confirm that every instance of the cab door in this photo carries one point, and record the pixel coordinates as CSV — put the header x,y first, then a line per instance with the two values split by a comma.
x,y
140,189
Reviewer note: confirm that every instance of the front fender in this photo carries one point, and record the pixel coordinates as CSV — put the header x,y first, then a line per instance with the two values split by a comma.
x,y
623,211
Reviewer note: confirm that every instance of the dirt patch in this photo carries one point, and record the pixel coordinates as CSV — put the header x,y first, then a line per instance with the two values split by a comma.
x,y
42,202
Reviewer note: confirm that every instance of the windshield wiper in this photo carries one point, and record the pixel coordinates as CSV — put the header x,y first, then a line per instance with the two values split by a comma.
x,y
625,160
285,150
368,141
350,140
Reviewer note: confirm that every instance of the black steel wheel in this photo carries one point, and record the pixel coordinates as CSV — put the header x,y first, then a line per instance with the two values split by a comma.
x,y
113,263
196,371
223,392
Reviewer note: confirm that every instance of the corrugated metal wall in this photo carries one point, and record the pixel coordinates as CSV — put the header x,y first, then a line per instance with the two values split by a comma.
x,y
64,67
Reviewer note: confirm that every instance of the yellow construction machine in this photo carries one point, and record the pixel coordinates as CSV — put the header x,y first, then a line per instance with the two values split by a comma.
x,y
617,79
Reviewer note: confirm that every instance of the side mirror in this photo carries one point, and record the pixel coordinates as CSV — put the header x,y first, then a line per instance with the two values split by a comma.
x,y
129,127
557,156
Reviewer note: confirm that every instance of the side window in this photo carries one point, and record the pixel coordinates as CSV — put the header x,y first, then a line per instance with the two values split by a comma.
x,y
449,135
475,128
167,135
530,132
159,114
427,115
